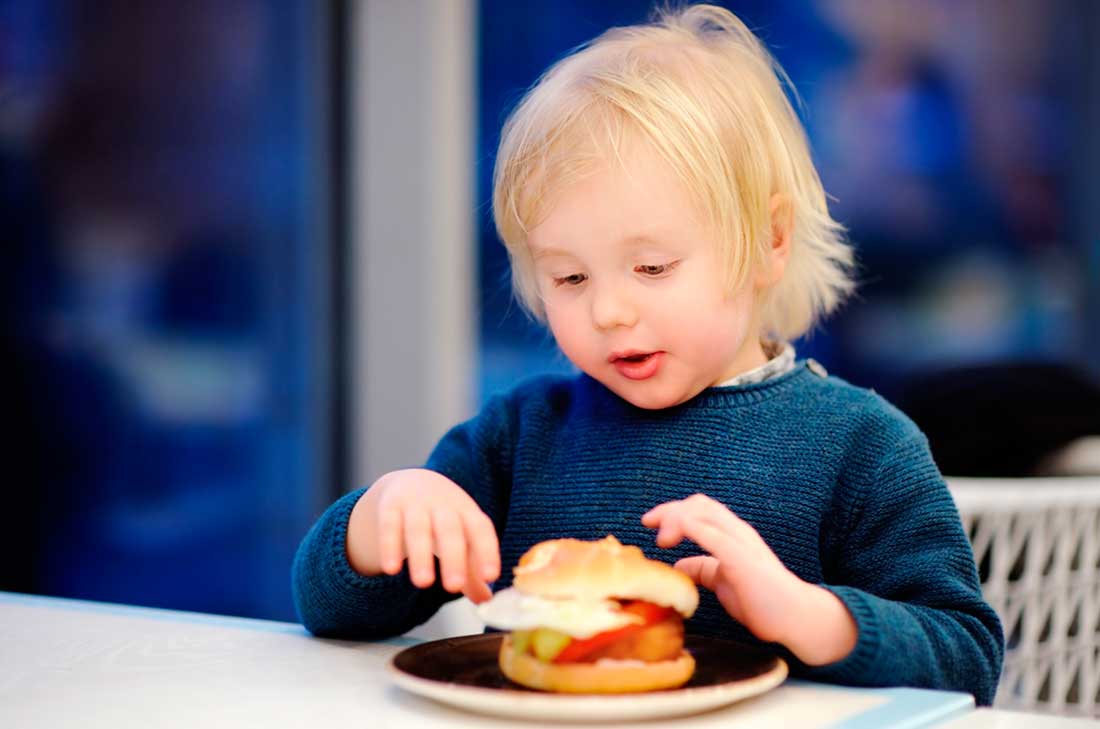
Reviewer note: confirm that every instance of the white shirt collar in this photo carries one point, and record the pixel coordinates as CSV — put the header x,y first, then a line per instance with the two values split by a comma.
x,y
781,361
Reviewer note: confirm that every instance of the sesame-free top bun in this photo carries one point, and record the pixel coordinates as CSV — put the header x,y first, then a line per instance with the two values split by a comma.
x,y
603,677
604,569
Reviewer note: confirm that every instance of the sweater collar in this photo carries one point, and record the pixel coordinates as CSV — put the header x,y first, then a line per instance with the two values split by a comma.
x,y
719,396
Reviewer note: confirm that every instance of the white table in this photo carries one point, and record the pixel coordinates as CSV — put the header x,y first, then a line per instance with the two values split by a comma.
x,y
66,663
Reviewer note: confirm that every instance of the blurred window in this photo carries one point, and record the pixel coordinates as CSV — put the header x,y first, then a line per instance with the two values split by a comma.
x,y
168,286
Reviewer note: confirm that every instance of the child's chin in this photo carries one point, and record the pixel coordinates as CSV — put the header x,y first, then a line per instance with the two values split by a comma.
x,y
649,396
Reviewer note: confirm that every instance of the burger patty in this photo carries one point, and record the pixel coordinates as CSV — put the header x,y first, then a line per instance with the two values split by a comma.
x,y
658,642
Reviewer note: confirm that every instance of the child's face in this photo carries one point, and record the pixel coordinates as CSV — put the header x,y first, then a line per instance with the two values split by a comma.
x,y
633,288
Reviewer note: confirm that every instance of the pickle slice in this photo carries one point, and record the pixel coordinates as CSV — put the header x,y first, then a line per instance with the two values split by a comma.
x,y
521,640
547,643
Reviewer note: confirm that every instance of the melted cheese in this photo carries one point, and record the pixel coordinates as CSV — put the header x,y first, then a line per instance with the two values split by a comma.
x,y
512,610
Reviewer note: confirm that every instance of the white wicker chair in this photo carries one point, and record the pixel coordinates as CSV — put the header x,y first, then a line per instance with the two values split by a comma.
x,y
1037,544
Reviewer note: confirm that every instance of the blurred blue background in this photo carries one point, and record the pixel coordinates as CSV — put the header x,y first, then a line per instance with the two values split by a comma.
x,y
165,299
957,140
175,316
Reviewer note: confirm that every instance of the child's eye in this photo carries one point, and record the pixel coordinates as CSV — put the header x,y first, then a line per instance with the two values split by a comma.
x,y
656,269
575,279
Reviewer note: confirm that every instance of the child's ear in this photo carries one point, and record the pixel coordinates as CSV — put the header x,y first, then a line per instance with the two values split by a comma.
x,y
775,261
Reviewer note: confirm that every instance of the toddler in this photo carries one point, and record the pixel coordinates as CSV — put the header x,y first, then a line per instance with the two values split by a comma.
x,y
663,217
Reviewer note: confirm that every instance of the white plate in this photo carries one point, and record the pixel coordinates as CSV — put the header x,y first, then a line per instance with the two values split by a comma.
x,y
463,672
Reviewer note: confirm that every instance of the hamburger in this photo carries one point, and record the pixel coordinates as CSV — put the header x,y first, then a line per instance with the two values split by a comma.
x,y
593,617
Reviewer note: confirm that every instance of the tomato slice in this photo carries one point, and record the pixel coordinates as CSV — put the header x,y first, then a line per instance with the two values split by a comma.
x,y
648,611
579,648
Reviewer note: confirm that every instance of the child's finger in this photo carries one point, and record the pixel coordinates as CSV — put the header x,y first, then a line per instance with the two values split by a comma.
x,y
702,570
475,588
714,512
481,535
450,546
652,518
738,531
418,547
671,532
712,539
697,505
390,540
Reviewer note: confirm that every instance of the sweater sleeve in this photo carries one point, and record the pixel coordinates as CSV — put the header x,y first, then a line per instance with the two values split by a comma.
x,y
333,600
905,571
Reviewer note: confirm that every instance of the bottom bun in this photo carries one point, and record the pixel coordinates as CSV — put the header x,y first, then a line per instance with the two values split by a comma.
x,y
605,677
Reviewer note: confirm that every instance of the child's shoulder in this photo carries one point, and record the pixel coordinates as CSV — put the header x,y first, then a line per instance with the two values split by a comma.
x,y
858,410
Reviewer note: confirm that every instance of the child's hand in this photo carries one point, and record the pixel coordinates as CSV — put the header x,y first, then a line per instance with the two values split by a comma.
x,y
414,514
752,584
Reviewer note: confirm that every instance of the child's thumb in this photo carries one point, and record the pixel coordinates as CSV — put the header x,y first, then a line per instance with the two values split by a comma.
x,y
702,570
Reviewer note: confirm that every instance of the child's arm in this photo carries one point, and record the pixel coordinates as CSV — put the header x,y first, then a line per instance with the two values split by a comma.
x,y
903,566
347,576
899,564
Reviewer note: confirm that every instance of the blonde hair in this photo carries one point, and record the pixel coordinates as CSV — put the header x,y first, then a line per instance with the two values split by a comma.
x,y
704,92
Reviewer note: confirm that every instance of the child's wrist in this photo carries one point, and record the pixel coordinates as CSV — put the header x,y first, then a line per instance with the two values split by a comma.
x,y
822,629
360,542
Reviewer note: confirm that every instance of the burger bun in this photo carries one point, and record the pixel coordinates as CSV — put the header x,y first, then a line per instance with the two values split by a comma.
x,y
603,677
602,570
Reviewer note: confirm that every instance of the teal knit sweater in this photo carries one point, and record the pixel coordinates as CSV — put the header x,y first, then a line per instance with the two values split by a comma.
x,y
839,483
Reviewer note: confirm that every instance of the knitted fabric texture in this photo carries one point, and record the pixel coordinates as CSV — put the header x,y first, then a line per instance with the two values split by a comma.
x,y
840,484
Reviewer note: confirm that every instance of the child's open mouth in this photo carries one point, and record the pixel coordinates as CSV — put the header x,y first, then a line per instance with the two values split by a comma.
x,y
637,365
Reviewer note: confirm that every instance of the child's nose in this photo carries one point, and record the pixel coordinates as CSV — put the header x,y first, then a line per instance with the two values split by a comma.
x,y
612,307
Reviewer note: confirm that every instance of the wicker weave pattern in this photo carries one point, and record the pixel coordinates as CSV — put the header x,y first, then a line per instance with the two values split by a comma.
x,y
1037,544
